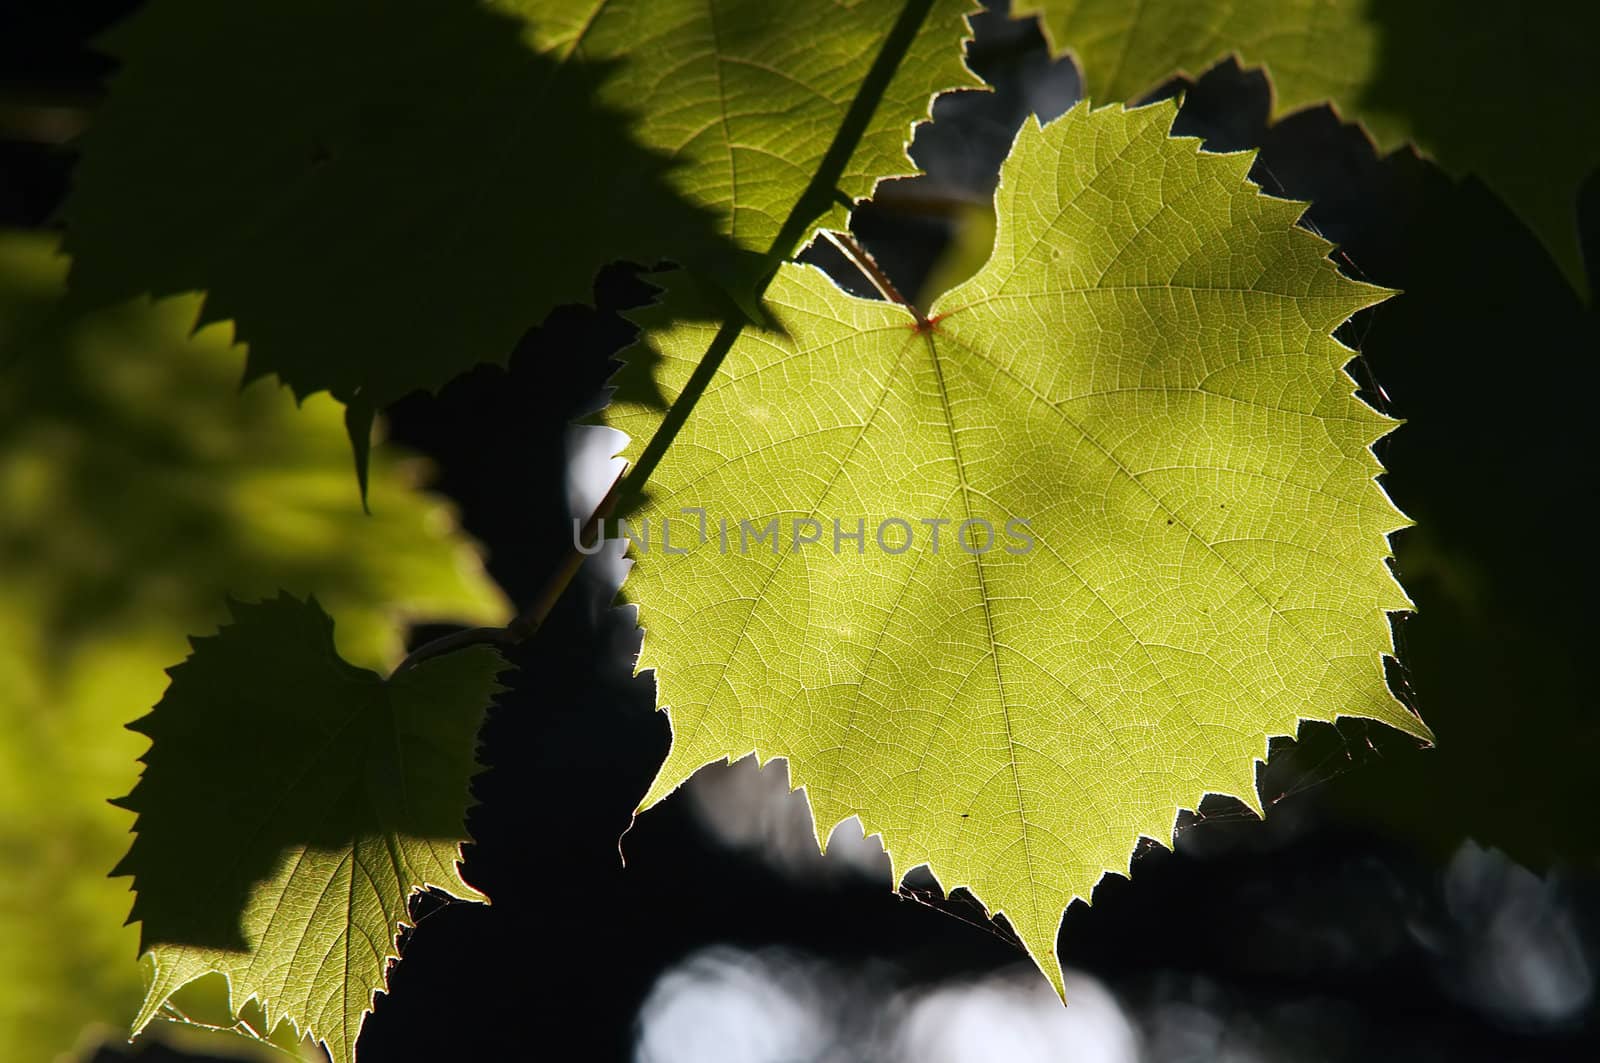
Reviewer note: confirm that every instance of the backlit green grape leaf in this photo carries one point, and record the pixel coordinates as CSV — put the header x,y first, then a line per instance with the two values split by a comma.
x,y
1142,372
325,794
1505,91
380,196
141,486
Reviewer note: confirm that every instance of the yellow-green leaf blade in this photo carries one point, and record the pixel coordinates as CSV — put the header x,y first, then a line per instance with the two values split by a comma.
x,y
1144,373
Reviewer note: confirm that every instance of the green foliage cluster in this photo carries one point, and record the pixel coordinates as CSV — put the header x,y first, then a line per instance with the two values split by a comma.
x,y
370,198
142,487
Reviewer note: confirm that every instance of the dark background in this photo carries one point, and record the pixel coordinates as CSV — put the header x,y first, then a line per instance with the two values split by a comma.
x,y
1399,903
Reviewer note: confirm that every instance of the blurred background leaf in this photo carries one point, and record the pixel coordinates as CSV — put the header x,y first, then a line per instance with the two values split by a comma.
x,y
138,487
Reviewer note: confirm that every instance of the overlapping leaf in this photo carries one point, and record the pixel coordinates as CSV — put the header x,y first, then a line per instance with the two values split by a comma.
x,y
1505,91
381,195
1144,373
140,486
325,795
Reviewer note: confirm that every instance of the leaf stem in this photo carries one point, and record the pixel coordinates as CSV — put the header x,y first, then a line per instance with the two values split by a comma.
x,y
528,622
862,260
472,636
815,201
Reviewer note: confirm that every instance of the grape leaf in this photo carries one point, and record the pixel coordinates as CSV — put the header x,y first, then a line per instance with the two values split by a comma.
x,y
380,196
140,486
325,794
1485,87
1144,372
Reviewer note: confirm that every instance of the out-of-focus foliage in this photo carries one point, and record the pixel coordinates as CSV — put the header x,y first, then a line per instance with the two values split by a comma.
x,y
1505,91
327,795
138,488
1144,371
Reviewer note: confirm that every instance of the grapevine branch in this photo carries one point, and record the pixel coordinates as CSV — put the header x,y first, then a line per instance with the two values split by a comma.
x,y
815,201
